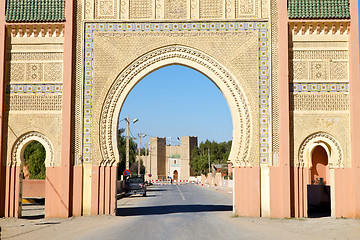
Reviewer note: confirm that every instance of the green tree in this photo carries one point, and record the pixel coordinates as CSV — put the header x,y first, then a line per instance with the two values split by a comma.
x,y
219,154
122,150
134,167
34,155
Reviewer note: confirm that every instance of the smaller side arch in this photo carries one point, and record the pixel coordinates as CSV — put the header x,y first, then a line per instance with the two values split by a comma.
x,y
328,142
17,153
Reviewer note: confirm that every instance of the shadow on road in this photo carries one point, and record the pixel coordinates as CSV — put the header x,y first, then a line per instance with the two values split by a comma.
x,y
156,190
159,210
34,217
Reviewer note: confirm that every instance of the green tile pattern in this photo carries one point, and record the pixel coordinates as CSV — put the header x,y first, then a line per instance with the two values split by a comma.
x,y
35,10
315,9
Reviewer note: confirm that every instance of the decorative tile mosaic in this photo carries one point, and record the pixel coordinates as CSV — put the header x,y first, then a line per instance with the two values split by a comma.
x,y
34,88
264,81
319,87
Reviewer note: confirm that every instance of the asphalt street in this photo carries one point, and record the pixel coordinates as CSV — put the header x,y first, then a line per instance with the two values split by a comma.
x,y
178,212
172,212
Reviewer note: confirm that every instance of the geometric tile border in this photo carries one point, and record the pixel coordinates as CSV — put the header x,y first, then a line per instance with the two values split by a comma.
x,y
319,87
264,81
34,88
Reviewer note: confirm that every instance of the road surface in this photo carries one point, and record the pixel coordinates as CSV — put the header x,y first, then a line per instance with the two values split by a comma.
x,y
172,212
179,212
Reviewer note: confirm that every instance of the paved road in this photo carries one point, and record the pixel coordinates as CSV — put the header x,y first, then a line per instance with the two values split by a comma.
x,y
179,212
172,212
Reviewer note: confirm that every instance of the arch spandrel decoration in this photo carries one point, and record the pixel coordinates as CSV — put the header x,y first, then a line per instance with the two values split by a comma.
x,y
188,57
178,55
17,153
328,142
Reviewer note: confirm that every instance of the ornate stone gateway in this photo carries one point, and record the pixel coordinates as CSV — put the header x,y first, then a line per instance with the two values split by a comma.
x,y
285,72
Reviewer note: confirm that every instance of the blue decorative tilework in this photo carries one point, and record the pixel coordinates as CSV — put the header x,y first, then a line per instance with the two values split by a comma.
x,y
264,81
319,87
34,88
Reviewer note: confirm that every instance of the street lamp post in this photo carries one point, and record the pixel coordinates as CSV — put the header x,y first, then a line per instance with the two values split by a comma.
x,y
209,158
139,154
127,144
144,135
127,166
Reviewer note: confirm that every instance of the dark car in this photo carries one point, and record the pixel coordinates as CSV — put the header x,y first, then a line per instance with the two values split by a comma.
x,y
135,185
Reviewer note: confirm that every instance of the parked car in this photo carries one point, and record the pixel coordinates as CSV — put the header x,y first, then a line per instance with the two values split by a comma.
x,y
135,185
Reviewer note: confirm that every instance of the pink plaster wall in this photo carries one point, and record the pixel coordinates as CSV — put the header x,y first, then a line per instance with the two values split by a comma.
x,y
33,188
95,182
247,191
64,207
354,76
77,191
54,202
101,193
345,199
280,200
299,179
113,198
103,190
12,191
280,176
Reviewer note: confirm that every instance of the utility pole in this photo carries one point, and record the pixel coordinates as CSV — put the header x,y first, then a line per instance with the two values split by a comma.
x,y
127,144
209,158
139,154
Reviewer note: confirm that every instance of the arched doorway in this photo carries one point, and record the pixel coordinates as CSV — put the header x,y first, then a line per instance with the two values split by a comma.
x,y
314,173
127,80
229,86
33,181
175,175
14,190
319,170
185,56
318,191
246,92
194,112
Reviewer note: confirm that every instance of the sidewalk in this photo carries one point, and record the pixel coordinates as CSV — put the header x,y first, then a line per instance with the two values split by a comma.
x,y
226,190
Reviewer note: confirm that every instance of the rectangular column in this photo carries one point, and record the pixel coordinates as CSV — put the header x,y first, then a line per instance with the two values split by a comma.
x,y
7,191
102,191
17,209
107,189
77,191
113,190
2,106
284,114
53,199
66,111
95,178
86,203
247,191
354,82
12,192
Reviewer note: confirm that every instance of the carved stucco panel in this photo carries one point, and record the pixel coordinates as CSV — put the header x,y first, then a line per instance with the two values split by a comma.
x,y
25,125
105,73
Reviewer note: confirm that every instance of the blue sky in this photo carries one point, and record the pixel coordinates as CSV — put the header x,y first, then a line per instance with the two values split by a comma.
x,y
177,101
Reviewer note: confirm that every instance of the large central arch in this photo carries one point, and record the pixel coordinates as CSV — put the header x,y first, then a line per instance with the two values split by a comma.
x,y
190,57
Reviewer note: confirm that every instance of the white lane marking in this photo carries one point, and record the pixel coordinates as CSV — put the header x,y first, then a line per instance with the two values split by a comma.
x,y
182,195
